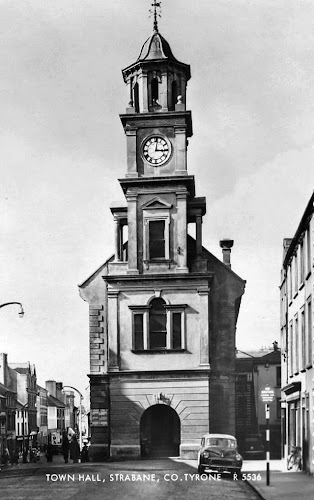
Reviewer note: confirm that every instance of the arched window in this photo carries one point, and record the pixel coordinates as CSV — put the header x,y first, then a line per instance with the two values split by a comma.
x,y
174,95
155,93
157,324
136,98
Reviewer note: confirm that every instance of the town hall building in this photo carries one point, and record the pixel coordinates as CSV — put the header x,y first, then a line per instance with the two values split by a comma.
x,y
163,310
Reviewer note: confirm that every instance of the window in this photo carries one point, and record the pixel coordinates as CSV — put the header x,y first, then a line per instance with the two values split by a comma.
x,y
308,250
296,279
138,328
296,344
278,376
278,408
43,416
304,346
155,94
290,348
156,231
290,282
302,268
158,326
174,95
176,330
136,98
157,239
309,351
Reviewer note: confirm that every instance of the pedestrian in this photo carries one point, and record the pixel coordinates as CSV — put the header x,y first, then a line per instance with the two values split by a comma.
x,y
84,453
49,453
74,450
65,447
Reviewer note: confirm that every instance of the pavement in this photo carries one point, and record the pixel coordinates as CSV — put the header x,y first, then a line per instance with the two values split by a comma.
x,y
283,484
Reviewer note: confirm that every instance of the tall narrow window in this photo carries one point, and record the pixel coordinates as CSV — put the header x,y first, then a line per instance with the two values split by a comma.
x,y
296,274
291,348
157,239
309,333
304,346
138,332
176,330
296,343
302,268
136,98
157,325
174,95
155,93
308,250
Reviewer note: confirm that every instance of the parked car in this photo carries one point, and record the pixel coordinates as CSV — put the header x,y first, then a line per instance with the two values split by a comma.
x,y
253,447
219,453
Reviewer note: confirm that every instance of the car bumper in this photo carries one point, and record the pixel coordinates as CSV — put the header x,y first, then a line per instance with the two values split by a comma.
x,y
221,466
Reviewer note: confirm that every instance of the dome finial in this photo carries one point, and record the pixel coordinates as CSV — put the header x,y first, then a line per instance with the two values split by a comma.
x,y
156,5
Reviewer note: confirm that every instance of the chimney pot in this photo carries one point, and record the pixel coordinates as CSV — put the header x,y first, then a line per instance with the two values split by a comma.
x,y
226,244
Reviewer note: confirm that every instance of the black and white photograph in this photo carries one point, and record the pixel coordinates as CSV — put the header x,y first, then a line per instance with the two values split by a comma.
x,y
157,249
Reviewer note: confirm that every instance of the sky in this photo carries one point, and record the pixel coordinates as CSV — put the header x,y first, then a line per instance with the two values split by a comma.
x,y
62,148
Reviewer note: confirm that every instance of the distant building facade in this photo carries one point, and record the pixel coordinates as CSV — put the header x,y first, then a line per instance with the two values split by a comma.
x,y
297,288
163,309
254,371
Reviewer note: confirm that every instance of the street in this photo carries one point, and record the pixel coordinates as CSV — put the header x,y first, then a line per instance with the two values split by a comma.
x,y
156,479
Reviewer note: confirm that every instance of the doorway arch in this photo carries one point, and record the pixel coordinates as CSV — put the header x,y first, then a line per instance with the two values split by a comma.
x,y
160,432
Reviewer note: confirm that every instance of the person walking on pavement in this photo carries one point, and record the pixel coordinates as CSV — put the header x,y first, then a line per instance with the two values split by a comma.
x,y
84,454
65,447
74,449
49,452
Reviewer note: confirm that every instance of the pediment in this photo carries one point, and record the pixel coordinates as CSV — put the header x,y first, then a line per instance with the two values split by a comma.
x,y
156,202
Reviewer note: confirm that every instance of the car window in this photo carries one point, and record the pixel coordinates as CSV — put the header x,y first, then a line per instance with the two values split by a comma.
x,y
222,442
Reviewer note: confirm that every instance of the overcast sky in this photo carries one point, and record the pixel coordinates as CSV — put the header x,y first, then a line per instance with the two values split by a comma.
x,y
62,148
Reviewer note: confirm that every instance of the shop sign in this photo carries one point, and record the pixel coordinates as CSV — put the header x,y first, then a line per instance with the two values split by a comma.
x,y
267,394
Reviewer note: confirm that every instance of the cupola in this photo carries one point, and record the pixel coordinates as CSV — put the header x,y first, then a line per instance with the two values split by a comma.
x,y
157,80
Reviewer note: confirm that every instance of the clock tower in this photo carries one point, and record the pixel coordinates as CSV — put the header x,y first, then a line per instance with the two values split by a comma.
x,y
163,309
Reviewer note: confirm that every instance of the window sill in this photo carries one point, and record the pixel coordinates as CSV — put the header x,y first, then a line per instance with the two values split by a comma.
x,y
308,275
157,261
301,286
308,367
157,351
295,295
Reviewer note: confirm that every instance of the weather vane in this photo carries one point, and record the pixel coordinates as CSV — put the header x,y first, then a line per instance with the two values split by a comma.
x,y
156,5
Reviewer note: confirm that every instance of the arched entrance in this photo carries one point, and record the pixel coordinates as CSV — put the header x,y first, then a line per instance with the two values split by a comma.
x,y
160,432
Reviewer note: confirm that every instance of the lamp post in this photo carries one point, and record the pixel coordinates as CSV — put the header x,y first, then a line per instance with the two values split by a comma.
x,y
21,313
81,398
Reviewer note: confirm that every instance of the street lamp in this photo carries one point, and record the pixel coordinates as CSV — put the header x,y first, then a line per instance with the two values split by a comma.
x,y
81,398
21,313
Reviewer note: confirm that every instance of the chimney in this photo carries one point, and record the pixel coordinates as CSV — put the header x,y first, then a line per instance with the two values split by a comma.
x,y
51,387
226,245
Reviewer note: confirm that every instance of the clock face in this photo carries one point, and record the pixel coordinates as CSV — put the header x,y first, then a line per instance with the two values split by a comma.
x,y
156,150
